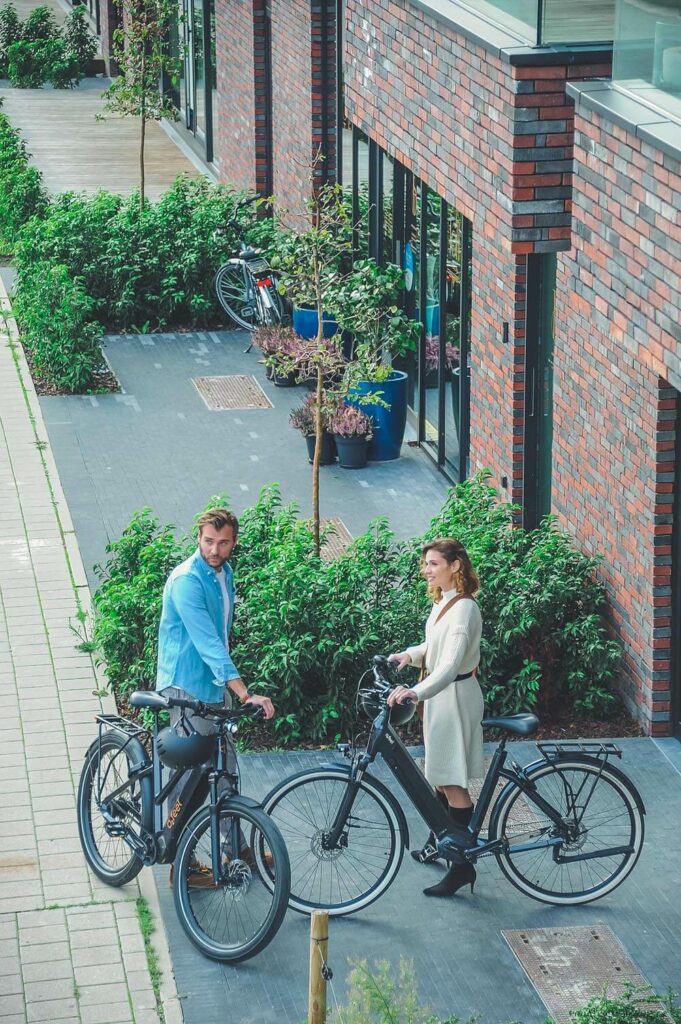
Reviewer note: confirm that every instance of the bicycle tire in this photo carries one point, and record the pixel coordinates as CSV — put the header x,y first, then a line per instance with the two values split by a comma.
x,y
241,894
236,296
302,820
610,817
109,856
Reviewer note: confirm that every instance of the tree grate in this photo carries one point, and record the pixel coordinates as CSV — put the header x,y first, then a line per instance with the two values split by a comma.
x,y
570,966
336,542
240,391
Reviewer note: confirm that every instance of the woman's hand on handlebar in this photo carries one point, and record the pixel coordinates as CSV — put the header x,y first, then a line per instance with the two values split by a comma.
x,y
401,660
262,702
401,694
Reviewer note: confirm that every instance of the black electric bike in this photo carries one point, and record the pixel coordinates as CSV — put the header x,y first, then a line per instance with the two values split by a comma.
x,y
565,829
246,285
231,874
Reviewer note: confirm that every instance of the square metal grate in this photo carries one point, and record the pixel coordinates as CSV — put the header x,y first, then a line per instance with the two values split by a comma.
x,y
240,391
570,966
336,543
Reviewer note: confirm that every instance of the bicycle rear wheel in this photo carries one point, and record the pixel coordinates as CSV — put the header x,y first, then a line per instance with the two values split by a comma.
x,y
236,919
365,862
112,805
602,831
236,294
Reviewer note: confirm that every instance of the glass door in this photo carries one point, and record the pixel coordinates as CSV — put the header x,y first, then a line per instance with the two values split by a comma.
x,y
192,43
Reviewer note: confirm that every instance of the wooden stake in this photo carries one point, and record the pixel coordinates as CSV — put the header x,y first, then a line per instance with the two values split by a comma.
x,y
319,943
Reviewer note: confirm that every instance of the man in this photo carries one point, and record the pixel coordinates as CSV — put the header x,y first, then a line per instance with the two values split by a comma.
x,y
196,620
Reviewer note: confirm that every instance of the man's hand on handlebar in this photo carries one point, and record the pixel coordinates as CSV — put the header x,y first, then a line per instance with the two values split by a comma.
x,y
262,702
401,694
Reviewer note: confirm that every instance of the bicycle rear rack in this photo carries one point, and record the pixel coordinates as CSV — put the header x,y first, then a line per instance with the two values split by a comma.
x,y
258,265
120,724
593,748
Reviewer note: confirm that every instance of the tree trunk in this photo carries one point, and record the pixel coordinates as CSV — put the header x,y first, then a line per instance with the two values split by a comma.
x,y
142,133
318,430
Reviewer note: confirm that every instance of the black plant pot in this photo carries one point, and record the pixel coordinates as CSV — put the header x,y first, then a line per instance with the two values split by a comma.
x,y
328,449
352,451
289,380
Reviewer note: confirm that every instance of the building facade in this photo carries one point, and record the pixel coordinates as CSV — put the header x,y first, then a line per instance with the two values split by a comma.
x,y
521,162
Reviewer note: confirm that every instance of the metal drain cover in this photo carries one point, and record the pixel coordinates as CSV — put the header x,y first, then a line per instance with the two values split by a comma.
x,y
570,966
238,392
336,543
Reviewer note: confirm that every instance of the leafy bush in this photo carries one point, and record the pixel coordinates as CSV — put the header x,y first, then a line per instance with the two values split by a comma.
x,y
58,332
10,32
22,194
376,996
81,44
153,266
634,1006
306,629
39,51
128,601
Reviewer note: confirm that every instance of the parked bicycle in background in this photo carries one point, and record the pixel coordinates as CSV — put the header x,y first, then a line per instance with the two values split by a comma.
x,y
246,286
231,874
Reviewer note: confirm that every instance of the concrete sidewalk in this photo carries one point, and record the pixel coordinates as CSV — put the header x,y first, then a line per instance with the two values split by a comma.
x,y
71,948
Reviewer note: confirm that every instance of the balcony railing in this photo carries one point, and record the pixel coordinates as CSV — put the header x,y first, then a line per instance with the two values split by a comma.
x,y
647,53
551,22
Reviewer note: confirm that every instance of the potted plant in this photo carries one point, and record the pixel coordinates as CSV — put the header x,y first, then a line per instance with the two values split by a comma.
x,y
352,430
282,348
302,418
366,304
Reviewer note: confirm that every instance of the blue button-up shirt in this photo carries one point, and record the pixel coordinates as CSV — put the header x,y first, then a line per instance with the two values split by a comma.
x,y
192,653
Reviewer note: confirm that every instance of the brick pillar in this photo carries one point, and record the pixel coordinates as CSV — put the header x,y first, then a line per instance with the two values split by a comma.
x,y
303,99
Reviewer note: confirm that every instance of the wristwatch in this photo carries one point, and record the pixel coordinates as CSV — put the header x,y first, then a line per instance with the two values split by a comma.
x,y
246,696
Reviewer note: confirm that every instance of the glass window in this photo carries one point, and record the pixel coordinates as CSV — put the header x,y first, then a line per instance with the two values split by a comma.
x,y
388,247
647,52
551,21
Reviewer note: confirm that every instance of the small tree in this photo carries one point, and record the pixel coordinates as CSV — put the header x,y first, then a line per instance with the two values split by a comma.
x,y
311,264
140,49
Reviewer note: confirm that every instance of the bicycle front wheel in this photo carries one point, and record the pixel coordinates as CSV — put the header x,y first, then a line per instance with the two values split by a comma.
x,y
602,831
235,919
236,294
367,857
113,806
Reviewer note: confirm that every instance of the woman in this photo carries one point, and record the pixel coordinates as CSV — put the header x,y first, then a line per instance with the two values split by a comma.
x,y
453,702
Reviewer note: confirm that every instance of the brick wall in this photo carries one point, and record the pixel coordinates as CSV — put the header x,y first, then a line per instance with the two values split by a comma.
x,y
617,343
493,139
234,124
291,102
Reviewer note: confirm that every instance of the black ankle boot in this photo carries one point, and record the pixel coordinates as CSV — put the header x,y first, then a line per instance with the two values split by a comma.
x,y
458,874
428,853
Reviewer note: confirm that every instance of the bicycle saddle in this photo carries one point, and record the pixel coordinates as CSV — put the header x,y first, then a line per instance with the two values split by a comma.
x,y
148,699
521,725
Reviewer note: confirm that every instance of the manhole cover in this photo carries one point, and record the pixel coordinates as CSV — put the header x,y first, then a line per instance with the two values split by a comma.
x,y
570,966
237,392
336,543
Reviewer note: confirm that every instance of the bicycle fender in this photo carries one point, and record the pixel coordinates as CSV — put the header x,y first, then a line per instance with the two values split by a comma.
x,y
141,758
384,791
580,759
236,800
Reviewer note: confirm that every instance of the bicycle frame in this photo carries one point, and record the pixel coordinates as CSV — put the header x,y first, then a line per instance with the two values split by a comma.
x,y
456,843
160,846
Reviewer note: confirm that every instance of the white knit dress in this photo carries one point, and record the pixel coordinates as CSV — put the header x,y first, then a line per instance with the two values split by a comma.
x,y
453,710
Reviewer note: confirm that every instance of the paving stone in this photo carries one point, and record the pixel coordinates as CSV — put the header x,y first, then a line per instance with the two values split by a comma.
x,y
51,1009
111,1013
47,970
45,952
54,988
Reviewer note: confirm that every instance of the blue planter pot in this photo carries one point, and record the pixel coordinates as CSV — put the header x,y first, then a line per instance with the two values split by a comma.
x,y
306,323
389,424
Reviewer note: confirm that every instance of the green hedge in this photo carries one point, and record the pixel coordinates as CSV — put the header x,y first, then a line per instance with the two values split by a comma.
x,y
306,629
40,50
58,332
22,195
